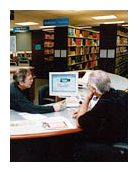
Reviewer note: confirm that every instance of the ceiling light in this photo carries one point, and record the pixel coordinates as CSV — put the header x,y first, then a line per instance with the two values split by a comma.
x,y
45,27
114,22
125,25
104,17
26,23
85,27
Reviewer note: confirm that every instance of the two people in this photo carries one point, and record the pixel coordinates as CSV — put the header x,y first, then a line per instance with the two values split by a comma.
x,y
106,121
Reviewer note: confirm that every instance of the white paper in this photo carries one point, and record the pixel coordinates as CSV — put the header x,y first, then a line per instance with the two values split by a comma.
x,y
103,53
63,53
30,116
111,53
57,53
39,126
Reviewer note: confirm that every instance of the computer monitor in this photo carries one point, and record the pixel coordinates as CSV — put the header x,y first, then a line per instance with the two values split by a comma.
x,y
63,84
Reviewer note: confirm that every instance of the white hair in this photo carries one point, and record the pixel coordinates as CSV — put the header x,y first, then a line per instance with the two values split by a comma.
x,y
100,79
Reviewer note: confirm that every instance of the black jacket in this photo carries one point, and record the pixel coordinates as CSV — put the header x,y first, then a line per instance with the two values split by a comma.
x,y
108,120
20,102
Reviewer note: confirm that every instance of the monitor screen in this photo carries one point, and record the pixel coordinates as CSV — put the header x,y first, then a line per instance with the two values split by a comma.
x,y
63,84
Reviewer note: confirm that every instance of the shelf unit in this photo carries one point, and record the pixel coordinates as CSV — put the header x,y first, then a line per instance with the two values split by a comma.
x,y
49,45
113,49
75,48
38,53
43,52
63,49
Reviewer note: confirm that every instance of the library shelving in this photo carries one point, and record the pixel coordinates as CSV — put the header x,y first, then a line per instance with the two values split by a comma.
x,y
38,53
48,51
75,48
113,49
49,45
43,52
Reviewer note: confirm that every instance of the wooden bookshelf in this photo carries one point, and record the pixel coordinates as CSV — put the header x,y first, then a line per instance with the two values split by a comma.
x,y
38,53
43,52
113,49
63,49
49,45
75,48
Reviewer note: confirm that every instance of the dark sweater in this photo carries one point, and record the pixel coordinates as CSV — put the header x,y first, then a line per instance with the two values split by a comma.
x,y
20,102
108,120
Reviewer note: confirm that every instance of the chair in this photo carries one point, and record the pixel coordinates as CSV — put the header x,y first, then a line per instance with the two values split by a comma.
x,y
100,152
43,95
122,147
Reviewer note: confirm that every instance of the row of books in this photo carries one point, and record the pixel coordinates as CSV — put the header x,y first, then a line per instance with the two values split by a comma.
x,y
48,44
121,59
122,33
48,51
122,40
49,36
82,42
81,59
85,65
73,32
82,50
122,50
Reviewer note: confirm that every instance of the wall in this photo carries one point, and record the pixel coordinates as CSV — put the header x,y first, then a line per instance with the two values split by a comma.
x,y
23,41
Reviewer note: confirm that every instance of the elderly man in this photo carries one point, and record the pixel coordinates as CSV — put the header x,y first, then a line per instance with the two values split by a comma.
x,y
106,122
19,101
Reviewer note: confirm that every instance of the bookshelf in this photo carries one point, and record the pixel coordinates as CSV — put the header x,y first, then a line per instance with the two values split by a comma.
x,y
114,49
43,52
38,53
64,48
49,45
75,48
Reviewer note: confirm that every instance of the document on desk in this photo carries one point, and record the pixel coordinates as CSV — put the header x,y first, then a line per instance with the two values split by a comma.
x,y
30,116
48,124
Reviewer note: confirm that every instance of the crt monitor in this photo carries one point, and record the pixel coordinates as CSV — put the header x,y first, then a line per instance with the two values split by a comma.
x,y
63,84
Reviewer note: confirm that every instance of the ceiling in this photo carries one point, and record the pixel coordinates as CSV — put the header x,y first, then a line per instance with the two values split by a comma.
x,y
76,17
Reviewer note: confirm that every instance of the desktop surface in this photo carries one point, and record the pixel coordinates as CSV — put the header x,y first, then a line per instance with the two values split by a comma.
x,y
31,129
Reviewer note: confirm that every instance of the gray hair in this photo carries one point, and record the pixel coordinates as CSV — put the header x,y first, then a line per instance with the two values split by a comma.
x,y
21,75
100,79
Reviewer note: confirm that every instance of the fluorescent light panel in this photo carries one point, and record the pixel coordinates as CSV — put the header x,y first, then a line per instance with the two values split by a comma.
x,y
26,23
114,22
85,27
125,25
45,27
104,17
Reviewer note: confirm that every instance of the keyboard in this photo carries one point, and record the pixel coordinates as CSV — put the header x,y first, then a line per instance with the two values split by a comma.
x,y
72,102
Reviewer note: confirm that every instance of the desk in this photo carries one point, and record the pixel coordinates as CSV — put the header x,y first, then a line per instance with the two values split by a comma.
x,y
67,113
117,82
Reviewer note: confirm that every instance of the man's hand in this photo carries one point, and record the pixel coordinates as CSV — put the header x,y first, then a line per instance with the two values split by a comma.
x,y
59,106
84,107
77,113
